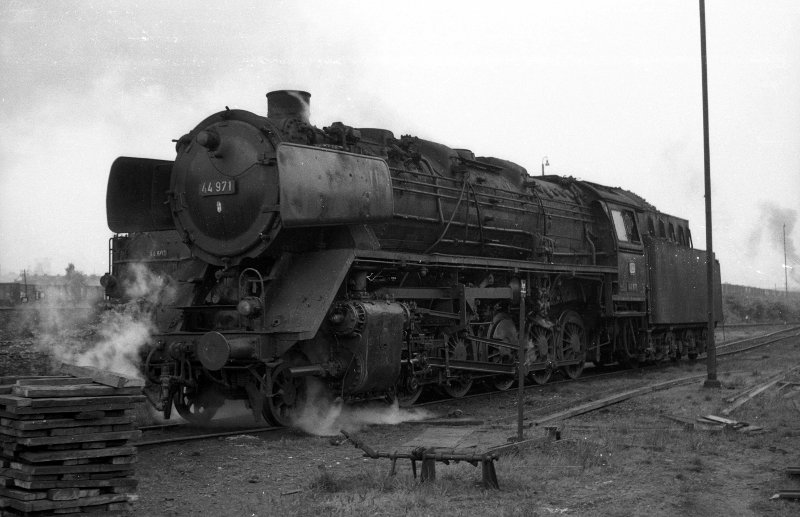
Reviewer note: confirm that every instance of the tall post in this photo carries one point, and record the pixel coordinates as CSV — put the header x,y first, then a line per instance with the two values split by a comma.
x,y
711,349
785,266
523,291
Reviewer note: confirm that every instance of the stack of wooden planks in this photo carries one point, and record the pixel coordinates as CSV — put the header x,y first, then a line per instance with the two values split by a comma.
x,y
67,443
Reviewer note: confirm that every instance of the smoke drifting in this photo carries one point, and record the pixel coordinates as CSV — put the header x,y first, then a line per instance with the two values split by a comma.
x,y
120,332
322,415
770,233
121,335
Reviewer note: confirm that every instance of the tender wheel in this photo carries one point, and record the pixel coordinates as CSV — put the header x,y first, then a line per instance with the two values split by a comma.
x,y
540,341
703,341
197,406
458,386
283,395
572,344
627,355
503,330
671,347
690,342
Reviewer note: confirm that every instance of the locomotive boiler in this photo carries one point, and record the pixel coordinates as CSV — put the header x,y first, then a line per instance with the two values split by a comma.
x,y
380,265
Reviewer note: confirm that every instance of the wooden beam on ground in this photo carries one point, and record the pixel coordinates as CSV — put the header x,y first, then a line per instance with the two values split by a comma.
x,y
748,395
105,377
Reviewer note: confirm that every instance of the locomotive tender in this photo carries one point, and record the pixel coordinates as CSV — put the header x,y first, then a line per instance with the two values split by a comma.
x,y
382,265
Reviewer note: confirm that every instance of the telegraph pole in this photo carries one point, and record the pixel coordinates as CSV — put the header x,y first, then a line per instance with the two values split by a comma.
x,y
711,350
785,266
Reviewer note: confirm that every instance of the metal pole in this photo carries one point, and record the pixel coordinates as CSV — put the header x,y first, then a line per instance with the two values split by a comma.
x,y
523,291
711,350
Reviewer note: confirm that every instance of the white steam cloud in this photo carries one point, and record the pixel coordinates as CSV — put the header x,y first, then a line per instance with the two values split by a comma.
x,y
118,334
122,334
322,415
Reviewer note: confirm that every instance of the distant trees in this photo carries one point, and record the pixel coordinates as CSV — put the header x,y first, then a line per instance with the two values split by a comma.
x,y
760,309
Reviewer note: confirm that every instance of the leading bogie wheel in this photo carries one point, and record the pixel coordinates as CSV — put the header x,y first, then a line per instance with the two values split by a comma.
x,y
283,394
409,393
197,406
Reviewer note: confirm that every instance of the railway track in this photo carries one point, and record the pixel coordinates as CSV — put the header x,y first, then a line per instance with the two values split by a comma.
x,y
592,374
568,409
744,345
162,434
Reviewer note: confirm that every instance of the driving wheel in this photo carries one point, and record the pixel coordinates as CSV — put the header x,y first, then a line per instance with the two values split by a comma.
x,y
504,330
572,343
458,385
540,340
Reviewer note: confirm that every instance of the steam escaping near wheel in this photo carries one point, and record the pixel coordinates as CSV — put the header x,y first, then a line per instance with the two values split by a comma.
x,y
324,415
122,332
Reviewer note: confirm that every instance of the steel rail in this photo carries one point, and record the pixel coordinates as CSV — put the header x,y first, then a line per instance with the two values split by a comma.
x,y
757,345
746,325
206,436
156,427
594,406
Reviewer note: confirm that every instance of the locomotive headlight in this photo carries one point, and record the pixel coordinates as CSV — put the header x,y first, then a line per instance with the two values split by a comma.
x,y
249,307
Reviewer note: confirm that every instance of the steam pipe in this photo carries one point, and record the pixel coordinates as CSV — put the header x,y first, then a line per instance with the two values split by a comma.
x,y
588,235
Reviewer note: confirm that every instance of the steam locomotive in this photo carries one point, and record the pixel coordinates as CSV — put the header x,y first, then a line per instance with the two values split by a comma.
x,y
381,265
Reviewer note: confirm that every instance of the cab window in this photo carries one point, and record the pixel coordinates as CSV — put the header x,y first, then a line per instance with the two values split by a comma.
x,y
625,225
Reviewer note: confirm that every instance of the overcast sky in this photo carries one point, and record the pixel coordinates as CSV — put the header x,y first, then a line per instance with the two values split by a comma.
x,y
609,91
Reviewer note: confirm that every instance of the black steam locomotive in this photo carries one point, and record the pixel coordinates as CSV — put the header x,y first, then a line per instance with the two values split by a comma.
x,y
382,265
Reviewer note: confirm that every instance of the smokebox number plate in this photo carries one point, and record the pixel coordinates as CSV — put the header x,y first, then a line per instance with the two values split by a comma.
x,y
216,188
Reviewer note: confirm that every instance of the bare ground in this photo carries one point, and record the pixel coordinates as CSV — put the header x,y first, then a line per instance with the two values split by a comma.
x,y
627,459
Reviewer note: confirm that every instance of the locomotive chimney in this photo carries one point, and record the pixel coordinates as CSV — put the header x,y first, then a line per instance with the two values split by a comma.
x,y
288,104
